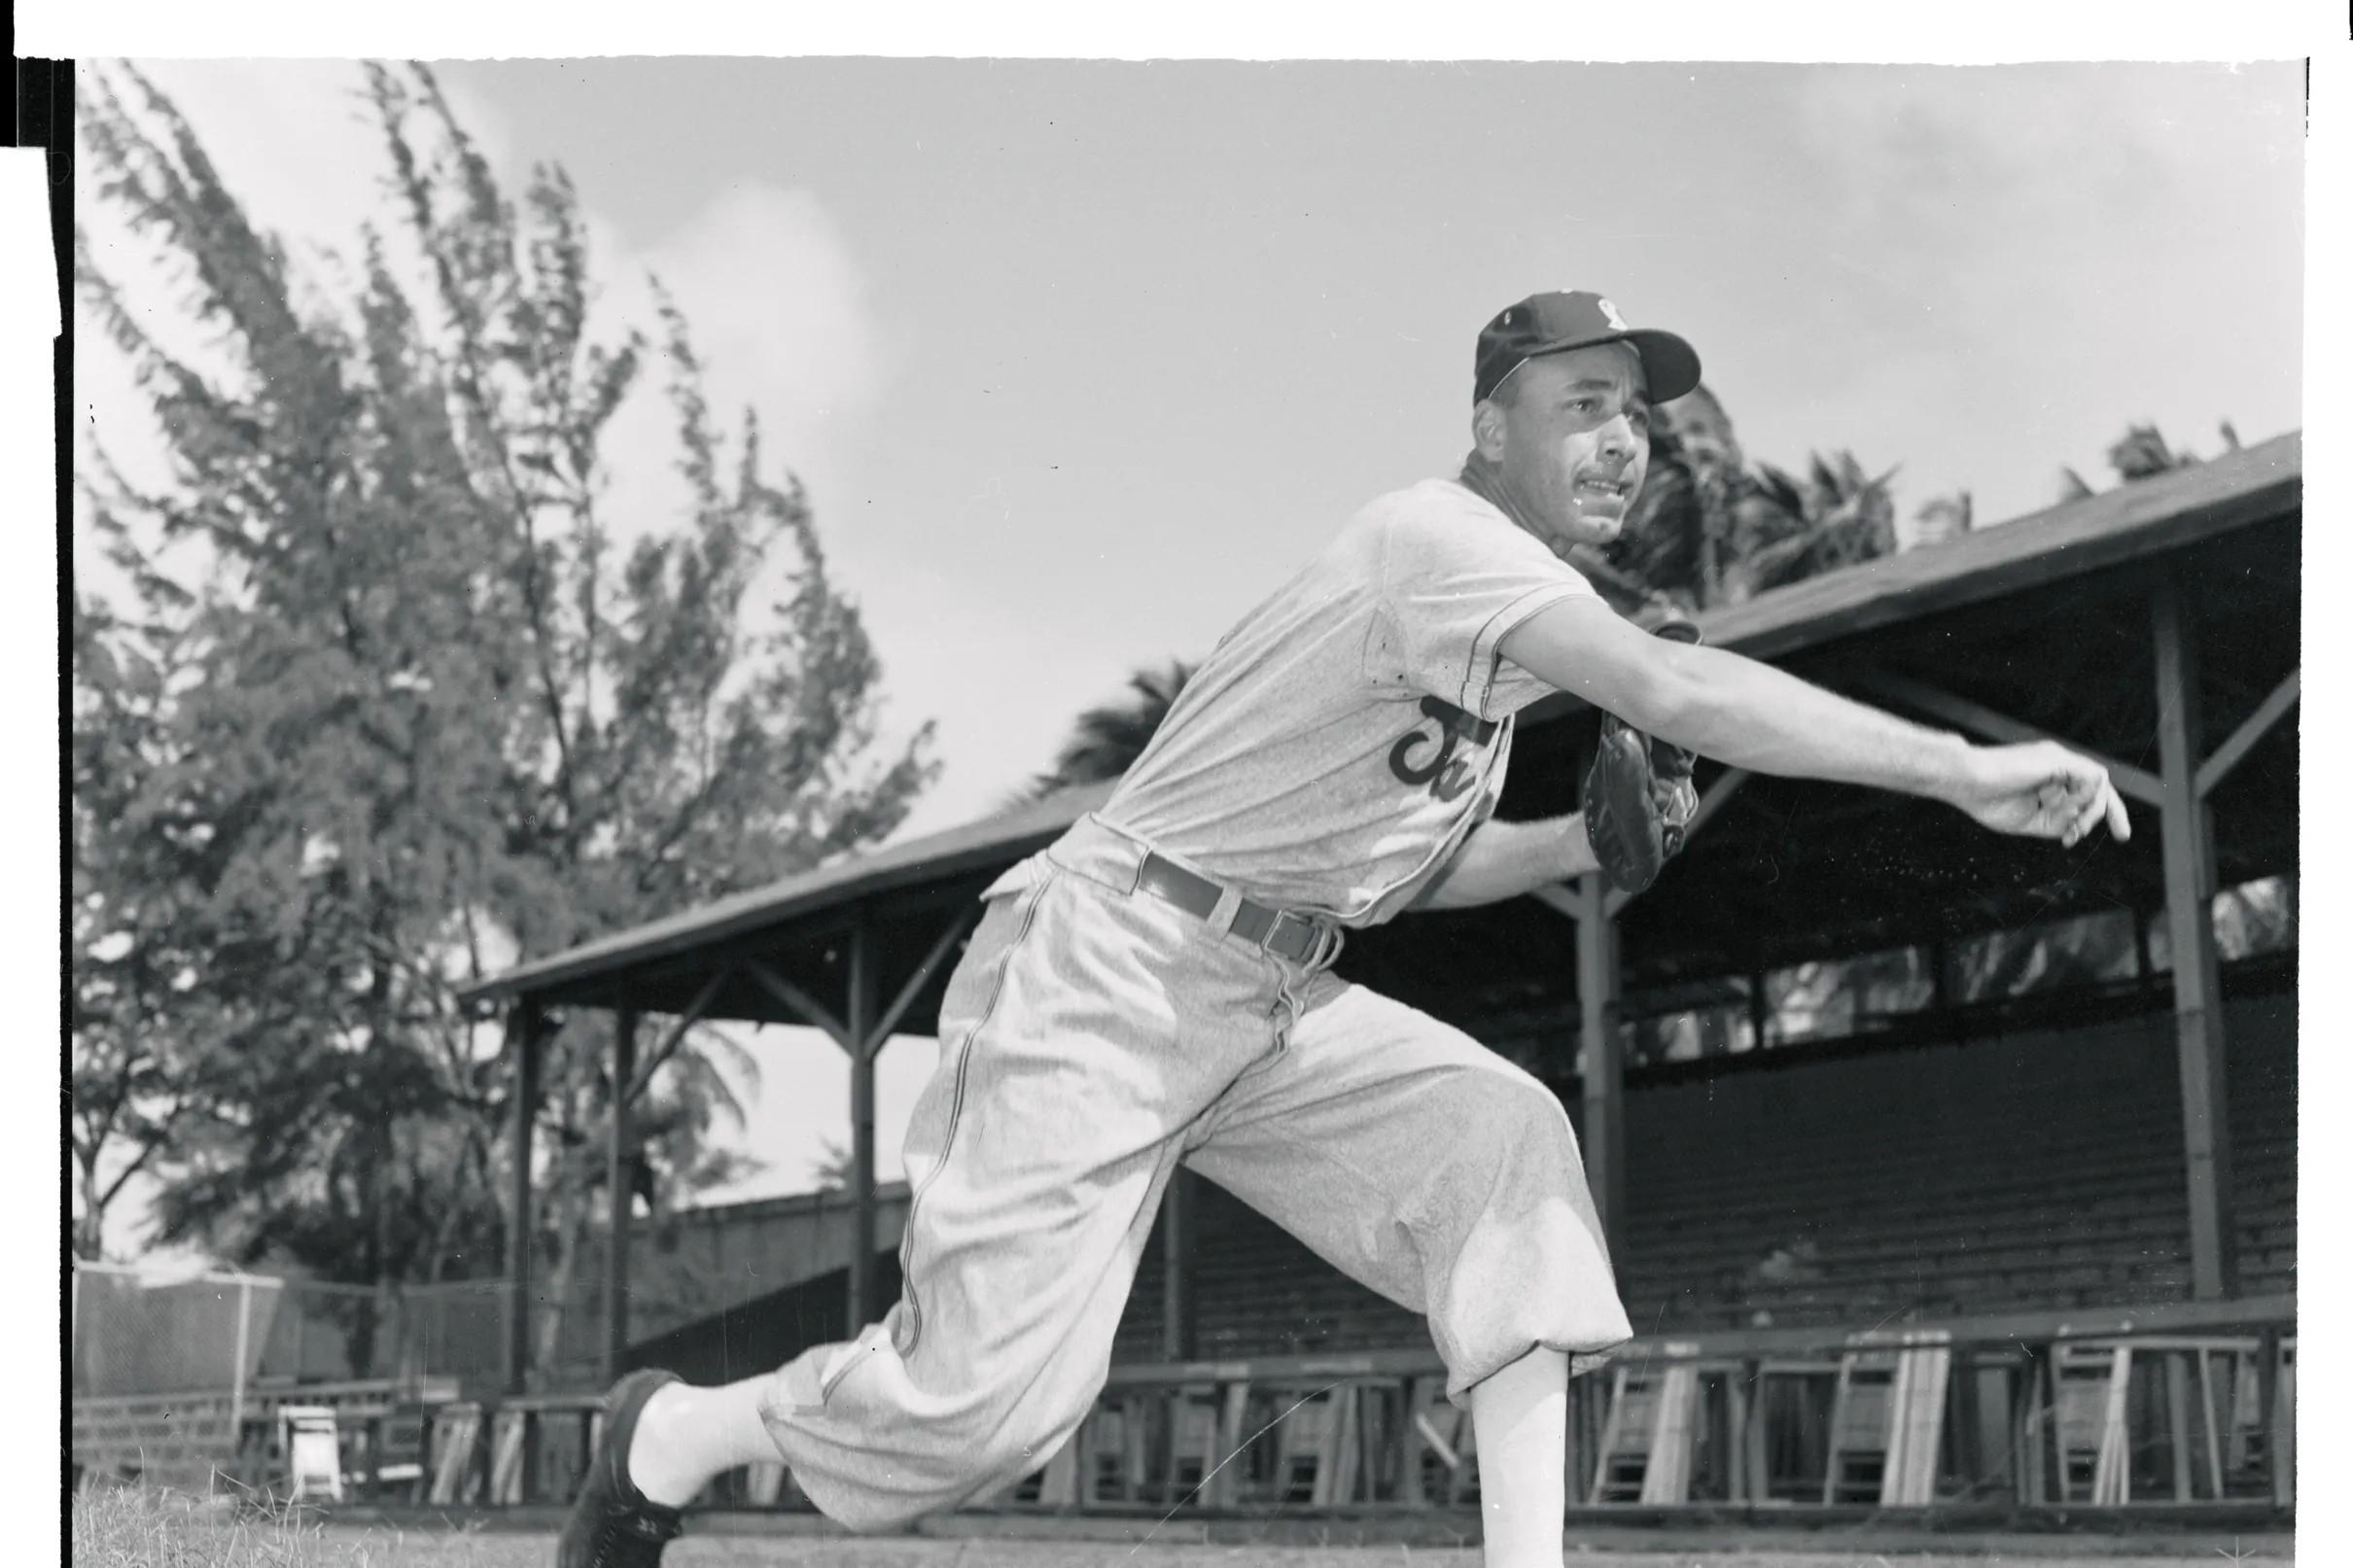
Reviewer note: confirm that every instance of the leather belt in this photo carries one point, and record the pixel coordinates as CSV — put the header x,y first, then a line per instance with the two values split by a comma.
x,y
1296,937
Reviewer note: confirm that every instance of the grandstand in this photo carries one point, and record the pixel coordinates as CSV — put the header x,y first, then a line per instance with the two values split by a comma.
x,y
2026,1173
1933,1185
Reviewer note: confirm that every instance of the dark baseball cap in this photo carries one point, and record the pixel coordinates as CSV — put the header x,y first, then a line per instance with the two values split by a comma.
x,y
1553,323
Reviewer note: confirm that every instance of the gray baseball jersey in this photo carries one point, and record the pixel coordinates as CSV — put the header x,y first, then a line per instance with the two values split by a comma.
x,y
1345,738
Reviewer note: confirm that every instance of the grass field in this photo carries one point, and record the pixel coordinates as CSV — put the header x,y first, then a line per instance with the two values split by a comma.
x,y
137,1529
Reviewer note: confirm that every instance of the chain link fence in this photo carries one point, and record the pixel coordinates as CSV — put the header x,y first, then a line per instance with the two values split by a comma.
x,y
138,1330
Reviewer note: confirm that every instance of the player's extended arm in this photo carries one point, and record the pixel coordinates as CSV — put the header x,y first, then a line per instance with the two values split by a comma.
x,y
1502,860
1752,716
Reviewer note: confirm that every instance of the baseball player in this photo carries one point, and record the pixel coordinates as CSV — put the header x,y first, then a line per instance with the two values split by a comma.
x,y
1155,988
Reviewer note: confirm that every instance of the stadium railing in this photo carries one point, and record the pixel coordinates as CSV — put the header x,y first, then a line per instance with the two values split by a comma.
x,y
2187,1405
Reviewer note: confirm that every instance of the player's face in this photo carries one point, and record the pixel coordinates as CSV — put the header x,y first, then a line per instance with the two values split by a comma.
x,y
1573,442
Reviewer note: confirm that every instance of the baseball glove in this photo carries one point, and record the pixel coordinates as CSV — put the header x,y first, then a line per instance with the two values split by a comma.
x,y
1638,798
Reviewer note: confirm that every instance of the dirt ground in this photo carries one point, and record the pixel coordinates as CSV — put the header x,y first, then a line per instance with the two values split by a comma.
x,y
128,1530
740,1552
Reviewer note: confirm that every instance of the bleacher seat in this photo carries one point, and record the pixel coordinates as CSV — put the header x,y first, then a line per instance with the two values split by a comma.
x,y
2037,1171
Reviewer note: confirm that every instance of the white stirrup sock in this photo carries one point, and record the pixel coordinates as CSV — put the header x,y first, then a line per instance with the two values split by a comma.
x,y
1521,1415
687,1435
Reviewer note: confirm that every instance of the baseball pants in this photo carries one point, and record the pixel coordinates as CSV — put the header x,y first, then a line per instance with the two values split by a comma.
x,y
1094,1036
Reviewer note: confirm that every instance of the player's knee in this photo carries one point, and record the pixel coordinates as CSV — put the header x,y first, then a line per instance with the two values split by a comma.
x,y
1516,1120
1021,1441
965,1457
919,1485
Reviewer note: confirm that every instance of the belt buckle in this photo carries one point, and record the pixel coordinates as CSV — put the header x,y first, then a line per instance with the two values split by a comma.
x,y
1283,917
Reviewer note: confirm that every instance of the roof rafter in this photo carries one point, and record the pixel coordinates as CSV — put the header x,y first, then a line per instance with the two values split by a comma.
x,y
676,1034
2232,751
2138,782
811,1010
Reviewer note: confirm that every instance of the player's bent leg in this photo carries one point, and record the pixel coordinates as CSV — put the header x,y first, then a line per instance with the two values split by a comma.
x,y
1431,1170
1084,1031
1427,1167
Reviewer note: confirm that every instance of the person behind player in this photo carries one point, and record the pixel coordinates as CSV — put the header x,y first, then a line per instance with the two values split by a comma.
x,y
1155,988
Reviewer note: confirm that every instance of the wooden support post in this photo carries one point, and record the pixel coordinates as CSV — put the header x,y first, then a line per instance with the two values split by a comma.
x,y
1412,1443
524,1025
617,1187
1177,1266
1226,1490
1760,1011
1733,1441
862,1032
860,1025
1576,1464
1136,1444
1756,1437
2176,1364
2213,1414
2278,1392
244,1350
1605,1074
1965,1444
2198,1012
2031,1438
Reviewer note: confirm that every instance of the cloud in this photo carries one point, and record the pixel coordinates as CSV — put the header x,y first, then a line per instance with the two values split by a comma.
x,y
2015,263
1941,163
777,309
775,300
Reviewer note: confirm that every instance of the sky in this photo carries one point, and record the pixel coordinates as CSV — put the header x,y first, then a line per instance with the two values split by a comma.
x,y
1078,359
1091,354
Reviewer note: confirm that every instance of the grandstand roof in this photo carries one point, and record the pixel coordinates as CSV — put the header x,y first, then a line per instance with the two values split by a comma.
x,y
2042,619
992,842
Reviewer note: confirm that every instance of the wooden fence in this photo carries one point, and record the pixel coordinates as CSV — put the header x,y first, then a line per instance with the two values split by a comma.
x,y
2187,1404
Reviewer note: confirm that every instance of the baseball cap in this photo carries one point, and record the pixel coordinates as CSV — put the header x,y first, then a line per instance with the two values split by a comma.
x,y
1552,323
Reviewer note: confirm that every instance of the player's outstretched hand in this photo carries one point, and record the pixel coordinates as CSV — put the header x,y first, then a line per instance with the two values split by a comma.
x,y
2041,790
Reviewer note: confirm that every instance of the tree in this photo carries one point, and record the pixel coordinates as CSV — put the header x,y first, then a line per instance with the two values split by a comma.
x,y
1107,739
1711,528
833,1167
2142,452
132,1085
1787,529
435,714
1942,518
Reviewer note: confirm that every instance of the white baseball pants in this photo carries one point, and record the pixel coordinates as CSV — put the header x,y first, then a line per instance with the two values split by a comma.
x,y
1093,1037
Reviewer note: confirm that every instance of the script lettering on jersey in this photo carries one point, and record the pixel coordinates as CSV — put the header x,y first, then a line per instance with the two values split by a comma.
x,y
1447,776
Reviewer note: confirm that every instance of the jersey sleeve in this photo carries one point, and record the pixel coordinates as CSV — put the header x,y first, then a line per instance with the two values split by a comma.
x,y
1455,581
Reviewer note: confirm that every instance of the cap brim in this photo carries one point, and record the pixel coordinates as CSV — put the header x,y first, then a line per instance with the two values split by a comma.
x,y
1670,367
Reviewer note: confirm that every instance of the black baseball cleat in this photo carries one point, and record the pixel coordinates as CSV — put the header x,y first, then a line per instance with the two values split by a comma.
x,y
612,1524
